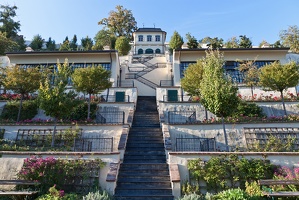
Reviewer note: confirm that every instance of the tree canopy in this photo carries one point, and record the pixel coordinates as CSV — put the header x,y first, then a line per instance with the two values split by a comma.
x,y
192,42
245,42
21,81
50,44
53,98
218,94
104,38
9,26
121,22
290,38
192,78
279,77
6,44
122,45
87,43
176,41
91,80
37,43
213,43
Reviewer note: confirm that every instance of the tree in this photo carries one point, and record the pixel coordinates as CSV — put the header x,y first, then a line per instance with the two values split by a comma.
x,y
176,41
120,22
22,81
37,43
122,45
53,98
277,44
251,74
213,43
91,80
232,43
87,43
73,43
264,43
191,41
50,44
218,94
279,77
290,38
245,42
192,80
6,44
65,46
9,26
104,38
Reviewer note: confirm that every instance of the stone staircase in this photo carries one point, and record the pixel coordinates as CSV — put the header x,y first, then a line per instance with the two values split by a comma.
x,y
144,173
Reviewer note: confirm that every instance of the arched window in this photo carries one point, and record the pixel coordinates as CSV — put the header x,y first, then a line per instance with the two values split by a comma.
x,y
140,51
149,51
158,51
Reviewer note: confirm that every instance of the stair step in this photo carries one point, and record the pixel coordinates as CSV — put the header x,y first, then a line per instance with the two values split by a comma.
x,y
144,192
142,145
153,152
144,172
139,197
143,185
144,161
144,166
142,157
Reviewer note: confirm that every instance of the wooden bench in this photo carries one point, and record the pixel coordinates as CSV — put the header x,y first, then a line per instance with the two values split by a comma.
x,y
270,193
18,182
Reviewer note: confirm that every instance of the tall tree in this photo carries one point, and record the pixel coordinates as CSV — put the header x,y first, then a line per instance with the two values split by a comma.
x,y
6,44
73,43
22,81
122,45
87,43
65,46
218,94
213,43
53,98
37,43
91,80
120,22
7,24
192,42
104,38
290,38
279,77
245,42
50,44
251,73
277,44
232,43
192,80
176,41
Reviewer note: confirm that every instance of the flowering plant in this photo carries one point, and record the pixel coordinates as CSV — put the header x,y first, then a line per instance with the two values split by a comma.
x,y
271,97
58,172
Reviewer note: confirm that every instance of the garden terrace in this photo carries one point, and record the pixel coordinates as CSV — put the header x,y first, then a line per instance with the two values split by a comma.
x,y
43,137
261,135
195,144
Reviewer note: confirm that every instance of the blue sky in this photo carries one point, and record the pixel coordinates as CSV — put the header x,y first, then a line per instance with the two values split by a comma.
x,y
257,19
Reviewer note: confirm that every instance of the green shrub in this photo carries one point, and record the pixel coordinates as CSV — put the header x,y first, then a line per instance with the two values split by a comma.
x,y
248,109
11,109
98,195
80,111
232,194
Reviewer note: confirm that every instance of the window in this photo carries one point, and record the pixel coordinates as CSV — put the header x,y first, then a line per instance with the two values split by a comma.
x,y
149,38
158,38
157,51
140,38
149,51
140,51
